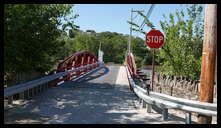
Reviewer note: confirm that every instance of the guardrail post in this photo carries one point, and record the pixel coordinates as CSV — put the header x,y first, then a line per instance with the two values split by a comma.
x,y
25,94
22,95
36,88
40,88
149,108
143,104
44,87
28,93
165,113
140,100
10,100
32,92
188,117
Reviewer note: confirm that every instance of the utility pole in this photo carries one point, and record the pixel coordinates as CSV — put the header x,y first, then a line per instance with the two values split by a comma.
x,y
129,43
100,46
131,19
207,77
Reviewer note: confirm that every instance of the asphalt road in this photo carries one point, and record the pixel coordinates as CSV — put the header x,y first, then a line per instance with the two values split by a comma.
x,y
100,98
88,100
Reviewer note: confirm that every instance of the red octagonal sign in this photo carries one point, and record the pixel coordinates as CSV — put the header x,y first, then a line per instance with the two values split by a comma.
x,y
154,39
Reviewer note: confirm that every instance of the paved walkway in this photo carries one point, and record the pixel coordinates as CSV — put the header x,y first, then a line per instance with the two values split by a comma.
x,y
101,98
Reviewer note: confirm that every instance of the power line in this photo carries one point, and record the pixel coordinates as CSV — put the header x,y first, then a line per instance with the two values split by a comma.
x,y
135,17
147,15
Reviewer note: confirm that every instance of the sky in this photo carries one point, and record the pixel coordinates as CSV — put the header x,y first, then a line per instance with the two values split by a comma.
x,y
114,17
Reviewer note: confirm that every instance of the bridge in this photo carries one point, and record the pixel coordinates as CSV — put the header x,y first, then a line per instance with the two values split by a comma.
x,y
83,90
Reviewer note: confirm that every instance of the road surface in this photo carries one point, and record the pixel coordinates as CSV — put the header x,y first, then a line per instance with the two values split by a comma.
x,y
100,98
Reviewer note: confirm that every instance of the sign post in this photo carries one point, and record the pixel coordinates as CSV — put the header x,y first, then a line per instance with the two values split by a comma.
x,y
152,79
154,40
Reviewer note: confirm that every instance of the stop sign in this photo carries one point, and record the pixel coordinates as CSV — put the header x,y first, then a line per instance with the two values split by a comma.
x,y
154,39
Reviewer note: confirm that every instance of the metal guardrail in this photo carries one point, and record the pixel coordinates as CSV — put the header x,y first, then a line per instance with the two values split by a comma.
x,y
169,102
19,88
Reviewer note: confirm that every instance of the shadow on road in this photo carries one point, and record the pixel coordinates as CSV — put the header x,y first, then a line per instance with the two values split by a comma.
x,y
90,101
91,76
98,73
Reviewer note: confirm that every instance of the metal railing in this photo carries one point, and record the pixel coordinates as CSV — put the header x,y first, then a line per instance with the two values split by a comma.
x,y
21,88
166,102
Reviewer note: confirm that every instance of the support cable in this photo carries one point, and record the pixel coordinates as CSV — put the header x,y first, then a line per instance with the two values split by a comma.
x,y
147,15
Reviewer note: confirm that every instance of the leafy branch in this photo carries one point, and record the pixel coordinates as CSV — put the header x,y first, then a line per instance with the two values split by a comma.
x,y
137,27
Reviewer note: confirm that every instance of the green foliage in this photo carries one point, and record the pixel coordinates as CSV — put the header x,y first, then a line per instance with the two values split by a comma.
x,y
140,51
73,32
36,37
181,54
87,42
114,45
30,35
140,48
183,45
136,27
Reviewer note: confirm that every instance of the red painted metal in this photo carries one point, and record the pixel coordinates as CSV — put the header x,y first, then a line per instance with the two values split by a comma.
x,y
154,39
131,65
76,60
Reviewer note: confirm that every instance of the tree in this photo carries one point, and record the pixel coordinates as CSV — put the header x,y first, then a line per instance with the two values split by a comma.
x,y
73,32
181,53
114,45
140,51
30,35
147,59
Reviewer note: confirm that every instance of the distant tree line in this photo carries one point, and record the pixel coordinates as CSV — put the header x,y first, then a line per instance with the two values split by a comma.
x,y
114,45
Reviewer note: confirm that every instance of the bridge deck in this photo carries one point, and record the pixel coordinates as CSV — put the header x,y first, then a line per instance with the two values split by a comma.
x,y
101,98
